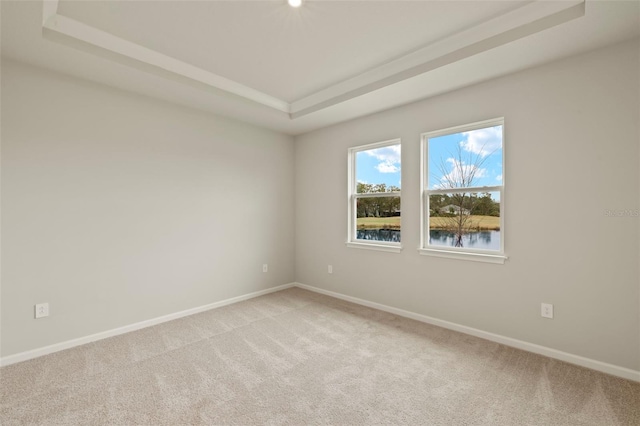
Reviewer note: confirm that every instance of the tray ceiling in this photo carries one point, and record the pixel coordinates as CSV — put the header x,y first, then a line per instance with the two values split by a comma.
x,y
295,70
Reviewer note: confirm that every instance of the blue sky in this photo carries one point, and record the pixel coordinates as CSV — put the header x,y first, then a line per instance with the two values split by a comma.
x,y
382,165
455,154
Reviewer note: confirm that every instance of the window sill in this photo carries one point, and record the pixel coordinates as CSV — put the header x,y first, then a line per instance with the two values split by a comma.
x,y
476,257
379,247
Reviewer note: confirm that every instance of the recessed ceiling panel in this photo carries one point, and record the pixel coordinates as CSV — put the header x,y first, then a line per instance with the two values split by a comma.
x,y
281,51
161,26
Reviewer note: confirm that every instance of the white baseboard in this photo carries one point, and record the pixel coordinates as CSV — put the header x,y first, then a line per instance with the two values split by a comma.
x,y
530,347
34,353
508,341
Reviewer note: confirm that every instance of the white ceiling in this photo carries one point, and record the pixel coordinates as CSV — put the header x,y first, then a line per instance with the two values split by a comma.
x,y
295,70
285,52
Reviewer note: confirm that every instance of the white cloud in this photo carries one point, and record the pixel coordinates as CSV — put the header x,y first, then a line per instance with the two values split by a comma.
x,y
389,158
388,153
461,175
483,141
499,178
387,168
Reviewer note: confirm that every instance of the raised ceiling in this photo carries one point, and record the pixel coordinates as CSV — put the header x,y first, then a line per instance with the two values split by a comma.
x,y
295,70
285,52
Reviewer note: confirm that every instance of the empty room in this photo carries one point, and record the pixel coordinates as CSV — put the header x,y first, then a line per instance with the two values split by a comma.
x,y
320,212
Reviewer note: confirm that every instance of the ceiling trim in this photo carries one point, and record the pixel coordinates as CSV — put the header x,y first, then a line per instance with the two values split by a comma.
x,y
524,21
53,22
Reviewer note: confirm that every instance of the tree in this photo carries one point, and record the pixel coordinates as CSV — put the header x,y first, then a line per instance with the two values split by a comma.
x,y
486,206
377,206
460,171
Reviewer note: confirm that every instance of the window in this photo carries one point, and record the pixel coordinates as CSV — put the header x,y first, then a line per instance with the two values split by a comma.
x,y
374,196
463,192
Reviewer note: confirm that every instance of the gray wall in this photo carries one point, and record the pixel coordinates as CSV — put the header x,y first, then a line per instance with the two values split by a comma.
x,y
118,208
571,147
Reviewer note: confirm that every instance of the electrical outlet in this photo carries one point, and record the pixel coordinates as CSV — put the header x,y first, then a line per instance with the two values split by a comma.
x,y
265,268
546,310
42,310
330,269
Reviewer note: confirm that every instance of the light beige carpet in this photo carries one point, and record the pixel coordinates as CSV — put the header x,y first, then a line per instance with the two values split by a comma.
x,y
296,357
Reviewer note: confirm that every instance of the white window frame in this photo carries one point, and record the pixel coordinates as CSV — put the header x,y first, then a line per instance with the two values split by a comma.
x,y
353,197
465,253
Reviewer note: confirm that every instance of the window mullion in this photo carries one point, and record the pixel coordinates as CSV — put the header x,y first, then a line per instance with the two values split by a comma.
x,y
378,194
475,189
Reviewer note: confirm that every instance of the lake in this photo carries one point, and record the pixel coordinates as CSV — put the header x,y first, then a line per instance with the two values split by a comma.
x,y
389,235
483,240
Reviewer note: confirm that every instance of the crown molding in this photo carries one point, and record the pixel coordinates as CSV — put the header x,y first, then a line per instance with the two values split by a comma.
x,y
519,23
77,34
516,24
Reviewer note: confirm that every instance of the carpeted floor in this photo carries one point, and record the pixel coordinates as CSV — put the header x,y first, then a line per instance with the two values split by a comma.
x,y
296,357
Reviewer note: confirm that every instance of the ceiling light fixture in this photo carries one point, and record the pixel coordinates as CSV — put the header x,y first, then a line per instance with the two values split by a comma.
x,y
295,3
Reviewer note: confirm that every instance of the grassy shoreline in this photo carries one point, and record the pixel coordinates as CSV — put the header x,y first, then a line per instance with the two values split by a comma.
x,y
479,223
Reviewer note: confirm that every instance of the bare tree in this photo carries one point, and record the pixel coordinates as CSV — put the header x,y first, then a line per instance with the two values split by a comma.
x,y
458,170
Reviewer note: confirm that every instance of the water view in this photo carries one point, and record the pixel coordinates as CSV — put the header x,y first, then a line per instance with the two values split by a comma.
x,y
482,240
389,235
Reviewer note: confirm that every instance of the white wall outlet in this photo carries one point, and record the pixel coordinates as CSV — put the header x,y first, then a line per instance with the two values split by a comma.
x,y
42,310
330,269
546,310
265,268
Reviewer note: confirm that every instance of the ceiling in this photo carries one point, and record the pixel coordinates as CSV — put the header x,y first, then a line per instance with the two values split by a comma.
x,y
296,70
